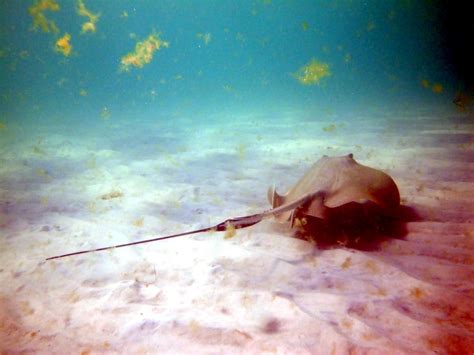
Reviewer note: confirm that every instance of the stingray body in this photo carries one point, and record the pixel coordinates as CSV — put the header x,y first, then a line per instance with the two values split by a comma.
x,y
330,183
333,182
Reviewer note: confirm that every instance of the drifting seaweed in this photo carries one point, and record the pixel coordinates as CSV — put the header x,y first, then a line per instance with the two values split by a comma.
x,y
312,73
88,26
39,19
143,53
63,45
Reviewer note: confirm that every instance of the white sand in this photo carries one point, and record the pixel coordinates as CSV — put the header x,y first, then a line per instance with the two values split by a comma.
x,y
262,291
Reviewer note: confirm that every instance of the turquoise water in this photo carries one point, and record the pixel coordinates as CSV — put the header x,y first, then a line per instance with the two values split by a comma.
x,y
378,55
171,116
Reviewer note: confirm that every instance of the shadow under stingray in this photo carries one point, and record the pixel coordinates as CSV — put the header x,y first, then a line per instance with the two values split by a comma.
x,y
362,226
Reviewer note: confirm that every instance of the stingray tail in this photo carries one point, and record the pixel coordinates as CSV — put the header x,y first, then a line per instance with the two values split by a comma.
x,y
274,198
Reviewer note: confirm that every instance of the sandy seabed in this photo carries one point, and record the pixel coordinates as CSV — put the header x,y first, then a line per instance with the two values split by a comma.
x,y
263,291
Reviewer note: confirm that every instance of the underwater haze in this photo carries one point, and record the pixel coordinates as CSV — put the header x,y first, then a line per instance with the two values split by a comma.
x,y
223,57
123,121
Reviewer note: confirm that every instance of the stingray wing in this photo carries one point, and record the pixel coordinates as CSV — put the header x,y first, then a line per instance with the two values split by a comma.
x,y
361,184
276,201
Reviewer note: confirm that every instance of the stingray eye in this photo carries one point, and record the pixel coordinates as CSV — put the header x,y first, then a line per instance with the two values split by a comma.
x,y
350,155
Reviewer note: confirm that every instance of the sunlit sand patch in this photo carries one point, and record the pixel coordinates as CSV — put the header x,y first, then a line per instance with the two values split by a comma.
x,y
150,291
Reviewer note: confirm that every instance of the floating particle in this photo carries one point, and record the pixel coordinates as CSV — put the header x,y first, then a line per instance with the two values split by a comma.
x,y
205,37
417,292
347,263
26,308
312,73
92,207
43,174
194,325
437,88
371,26
61,81
241,151
111,195
228,88
300,222
45,200
347,323
271,326
240,37
330,128
372,266
230,231
138,222
105,113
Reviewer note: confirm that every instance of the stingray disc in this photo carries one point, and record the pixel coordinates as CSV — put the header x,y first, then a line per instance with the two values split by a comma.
x,y
336,181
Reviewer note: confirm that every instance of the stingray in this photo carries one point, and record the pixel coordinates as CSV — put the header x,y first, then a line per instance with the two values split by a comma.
x,y
330,183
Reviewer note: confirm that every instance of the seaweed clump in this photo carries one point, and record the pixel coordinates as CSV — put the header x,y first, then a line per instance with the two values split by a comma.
x,y
88,26
312,73
112,195
63,45
39,19
143,53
